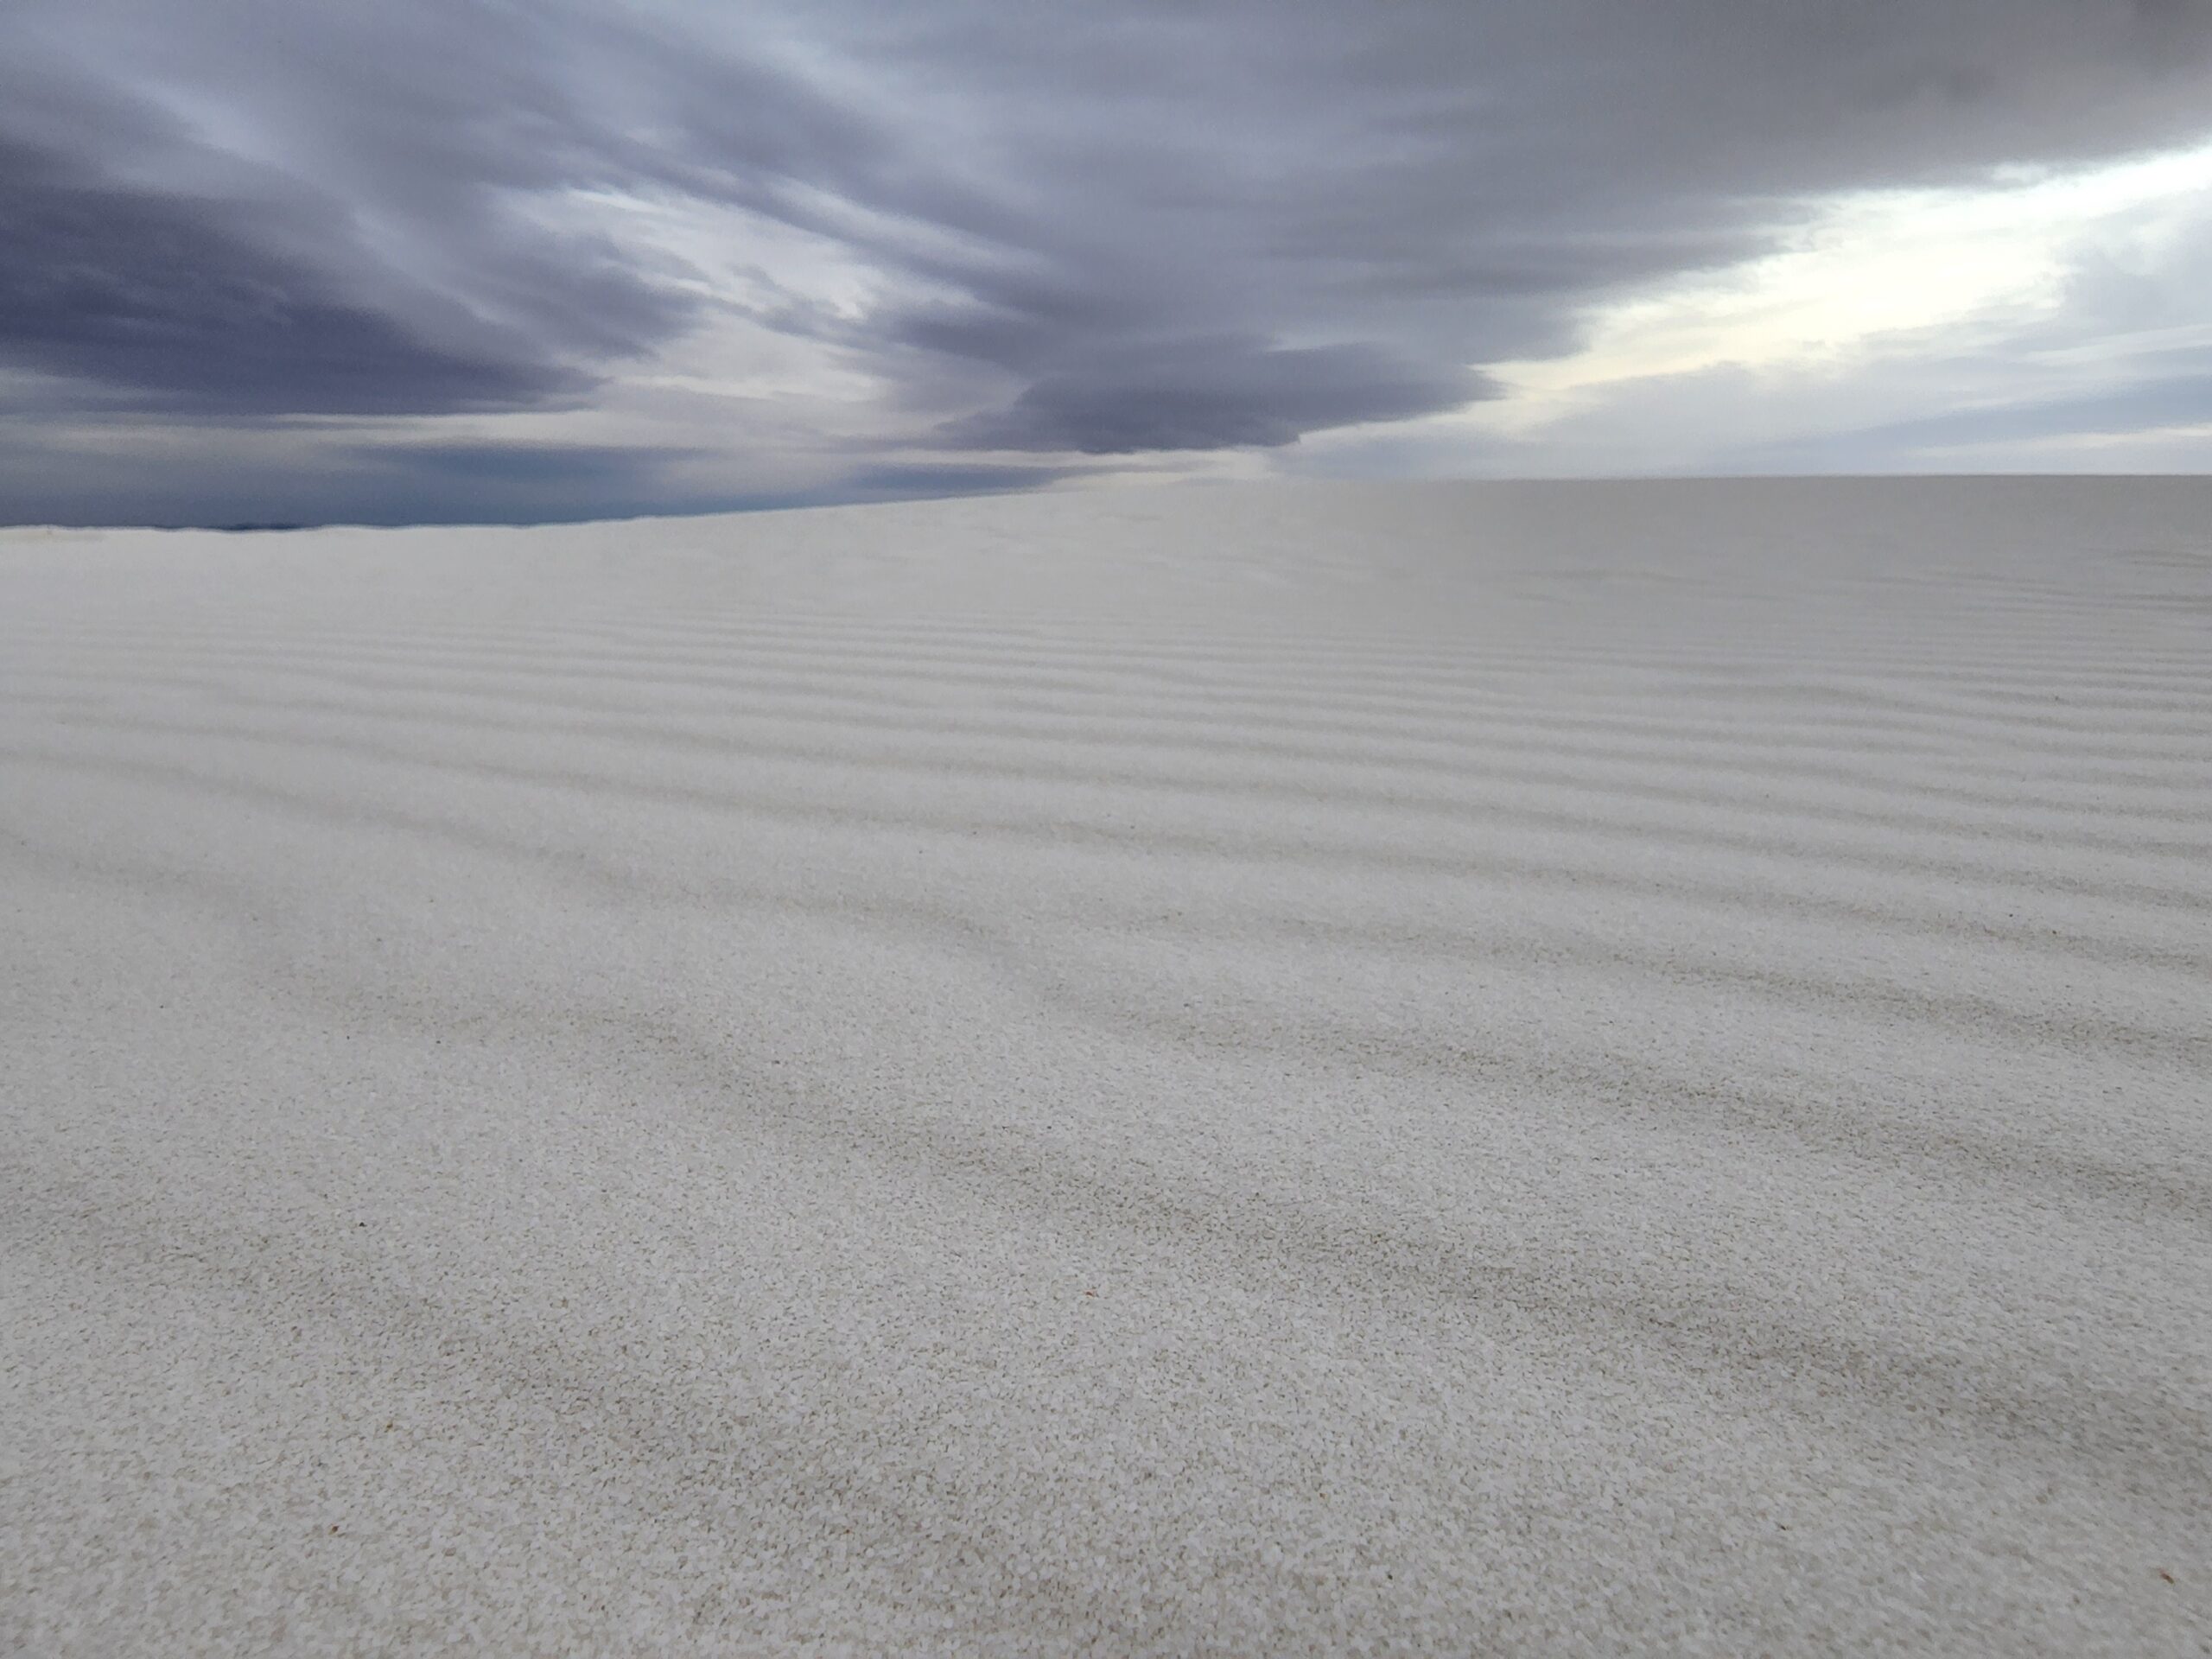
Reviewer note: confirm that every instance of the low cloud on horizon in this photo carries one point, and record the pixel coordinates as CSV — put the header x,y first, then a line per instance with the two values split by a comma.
x,y
439,260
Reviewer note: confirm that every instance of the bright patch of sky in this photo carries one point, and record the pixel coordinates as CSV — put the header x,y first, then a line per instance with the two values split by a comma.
x,y
1872,297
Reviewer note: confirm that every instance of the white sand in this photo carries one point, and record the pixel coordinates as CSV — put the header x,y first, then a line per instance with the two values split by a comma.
x,y
1514,1069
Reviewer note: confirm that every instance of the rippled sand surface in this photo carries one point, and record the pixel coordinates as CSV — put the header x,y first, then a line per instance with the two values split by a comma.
x,y
1518,1069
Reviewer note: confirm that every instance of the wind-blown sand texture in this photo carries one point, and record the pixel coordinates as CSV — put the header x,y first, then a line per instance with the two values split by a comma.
x,y
1506,1069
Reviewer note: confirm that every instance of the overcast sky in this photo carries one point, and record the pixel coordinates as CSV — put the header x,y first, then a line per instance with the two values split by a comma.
x,y
430,259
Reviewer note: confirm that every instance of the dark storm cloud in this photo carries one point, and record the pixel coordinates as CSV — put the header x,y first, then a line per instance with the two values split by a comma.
x,y
1213,394
910,481
170,298
252,211
1457,177
1113,228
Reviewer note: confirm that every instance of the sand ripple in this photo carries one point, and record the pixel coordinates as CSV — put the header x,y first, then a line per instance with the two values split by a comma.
x,y
1477,1068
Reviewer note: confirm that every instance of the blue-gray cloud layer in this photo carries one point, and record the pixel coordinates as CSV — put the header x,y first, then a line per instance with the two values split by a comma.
x,y
1106,229
172,302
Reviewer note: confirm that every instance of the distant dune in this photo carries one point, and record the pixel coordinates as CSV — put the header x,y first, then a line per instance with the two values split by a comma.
x,y
1476,1069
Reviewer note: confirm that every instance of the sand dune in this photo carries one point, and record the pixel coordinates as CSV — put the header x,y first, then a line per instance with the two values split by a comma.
x,y
1479,1068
